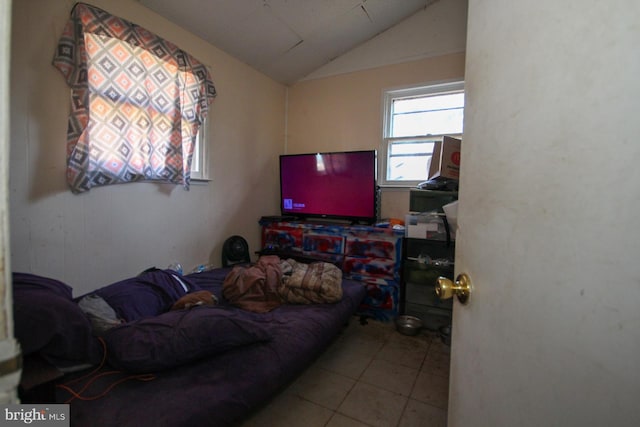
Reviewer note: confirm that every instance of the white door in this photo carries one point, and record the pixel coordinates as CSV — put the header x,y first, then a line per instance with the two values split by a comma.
x,y
549,217
9,348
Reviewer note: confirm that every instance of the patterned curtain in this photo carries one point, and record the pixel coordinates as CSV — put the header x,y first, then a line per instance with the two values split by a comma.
x,y
137,102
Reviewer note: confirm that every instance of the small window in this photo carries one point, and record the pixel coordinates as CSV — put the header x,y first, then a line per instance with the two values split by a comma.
x,y
199,162
414,119
138,103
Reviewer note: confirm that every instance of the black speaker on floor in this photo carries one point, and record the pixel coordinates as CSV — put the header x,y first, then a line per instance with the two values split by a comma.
x,y
235,250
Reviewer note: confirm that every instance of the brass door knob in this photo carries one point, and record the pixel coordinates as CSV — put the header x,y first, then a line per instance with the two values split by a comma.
x,y
445,288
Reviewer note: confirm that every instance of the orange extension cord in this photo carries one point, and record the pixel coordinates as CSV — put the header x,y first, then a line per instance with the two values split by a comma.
x,y
93,376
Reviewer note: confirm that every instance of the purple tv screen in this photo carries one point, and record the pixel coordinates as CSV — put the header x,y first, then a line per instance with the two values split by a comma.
x,y
331,185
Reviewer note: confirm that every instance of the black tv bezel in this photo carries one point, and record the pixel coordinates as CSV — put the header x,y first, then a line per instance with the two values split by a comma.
x,y
323,216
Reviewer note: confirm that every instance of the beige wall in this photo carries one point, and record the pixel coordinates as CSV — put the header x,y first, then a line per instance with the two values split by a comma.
x,y
440,28
343,112
110,233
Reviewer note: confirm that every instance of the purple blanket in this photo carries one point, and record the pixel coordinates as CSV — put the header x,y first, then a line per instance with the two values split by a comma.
x,y
264,351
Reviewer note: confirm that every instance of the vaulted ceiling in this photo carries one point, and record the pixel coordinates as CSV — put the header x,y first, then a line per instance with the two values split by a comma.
x,y
286,39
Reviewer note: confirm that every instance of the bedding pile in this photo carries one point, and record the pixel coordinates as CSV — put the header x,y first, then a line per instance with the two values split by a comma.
x,y
178,351
315,283
272,282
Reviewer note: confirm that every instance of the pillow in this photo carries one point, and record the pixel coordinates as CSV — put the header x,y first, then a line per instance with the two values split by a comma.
x,y
27,281
48,322
178,337
101,315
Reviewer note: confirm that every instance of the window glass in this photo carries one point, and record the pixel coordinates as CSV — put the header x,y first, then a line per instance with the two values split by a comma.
x,y
432,115
414,120
199,162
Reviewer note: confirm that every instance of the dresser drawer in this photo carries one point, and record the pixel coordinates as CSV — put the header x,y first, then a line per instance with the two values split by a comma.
x,y
323,243
282,238
381,300
371,248
371,267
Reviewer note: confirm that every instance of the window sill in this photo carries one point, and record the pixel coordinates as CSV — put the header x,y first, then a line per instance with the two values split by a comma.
x,y
200,181
396,187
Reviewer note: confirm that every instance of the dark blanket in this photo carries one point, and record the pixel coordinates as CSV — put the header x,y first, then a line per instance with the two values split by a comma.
x,y
218,390
148,294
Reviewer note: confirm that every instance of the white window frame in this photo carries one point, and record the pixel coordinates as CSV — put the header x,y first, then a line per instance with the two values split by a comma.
x,y
387,140
200,159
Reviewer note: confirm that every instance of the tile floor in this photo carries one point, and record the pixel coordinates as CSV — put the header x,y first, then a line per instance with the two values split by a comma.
x,y
370,376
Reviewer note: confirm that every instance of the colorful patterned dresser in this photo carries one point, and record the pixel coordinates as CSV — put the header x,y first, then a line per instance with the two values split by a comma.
x,y
369,254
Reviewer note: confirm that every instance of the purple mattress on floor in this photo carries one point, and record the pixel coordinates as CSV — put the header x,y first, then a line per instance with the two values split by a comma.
x,y
210,365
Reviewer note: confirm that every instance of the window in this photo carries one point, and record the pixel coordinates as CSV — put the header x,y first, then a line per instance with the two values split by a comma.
x,y
138,103
199,163
414,119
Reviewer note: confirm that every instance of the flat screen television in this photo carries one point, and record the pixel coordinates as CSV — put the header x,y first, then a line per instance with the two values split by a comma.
x,y
339,185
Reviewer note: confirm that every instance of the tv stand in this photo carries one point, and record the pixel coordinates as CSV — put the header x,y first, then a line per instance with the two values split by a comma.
x,y
372,255
277,218
328,221
362,223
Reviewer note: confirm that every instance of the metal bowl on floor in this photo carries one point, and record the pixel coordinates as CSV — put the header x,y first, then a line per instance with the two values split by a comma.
x,y
408,325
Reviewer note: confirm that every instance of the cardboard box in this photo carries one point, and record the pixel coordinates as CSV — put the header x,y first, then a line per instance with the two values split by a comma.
x,y
445,160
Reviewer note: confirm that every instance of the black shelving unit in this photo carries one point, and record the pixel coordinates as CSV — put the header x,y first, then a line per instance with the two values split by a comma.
x,y
425,260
